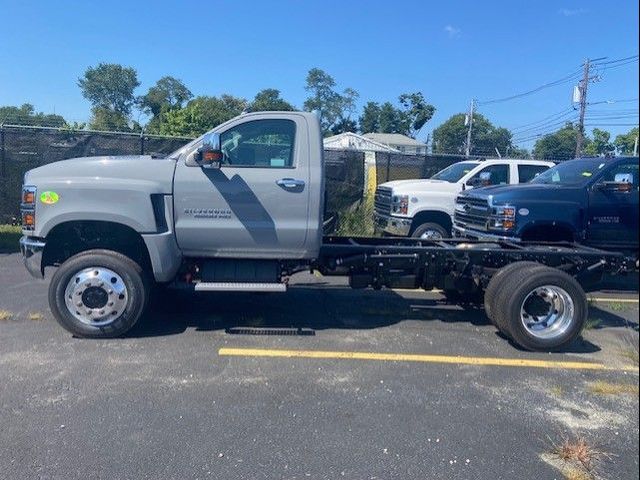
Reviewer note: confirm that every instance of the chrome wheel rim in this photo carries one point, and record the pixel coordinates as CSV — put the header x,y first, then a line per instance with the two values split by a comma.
x,y
547,312
96,296
431,235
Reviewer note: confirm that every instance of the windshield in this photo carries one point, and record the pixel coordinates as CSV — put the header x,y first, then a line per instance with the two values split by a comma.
x,y
573,172
453,173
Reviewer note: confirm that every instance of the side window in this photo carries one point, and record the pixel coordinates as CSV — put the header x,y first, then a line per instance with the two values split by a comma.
x,y
623,173
260,144
526,173
491,175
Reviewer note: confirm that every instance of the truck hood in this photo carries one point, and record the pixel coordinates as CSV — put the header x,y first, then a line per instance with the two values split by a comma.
x,y
421,185
155,173
501,194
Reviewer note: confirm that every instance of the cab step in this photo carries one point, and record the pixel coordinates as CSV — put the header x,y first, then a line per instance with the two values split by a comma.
x,y
240,287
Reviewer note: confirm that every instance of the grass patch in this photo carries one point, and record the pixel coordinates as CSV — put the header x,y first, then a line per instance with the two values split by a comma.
x,y
34,316
557,391
618,306
5,315
579,458
358,222
608,388
9,236
630,354
592,323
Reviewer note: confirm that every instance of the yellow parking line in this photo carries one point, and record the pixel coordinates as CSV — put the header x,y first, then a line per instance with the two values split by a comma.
x,y
404,357
613,299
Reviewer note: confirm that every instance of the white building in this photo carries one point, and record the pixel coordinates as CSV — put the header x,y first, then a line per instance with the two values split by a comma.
x,y
352,141
399,142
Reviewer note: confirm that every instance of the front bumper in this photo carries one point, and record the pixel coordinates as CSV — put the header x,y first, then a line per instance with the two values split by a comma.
x,y
396,226
32,249
474,234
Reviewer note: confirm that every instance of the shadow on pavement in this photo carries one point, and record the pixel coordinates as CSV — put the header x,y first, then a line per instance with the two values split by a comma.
x,y
305,307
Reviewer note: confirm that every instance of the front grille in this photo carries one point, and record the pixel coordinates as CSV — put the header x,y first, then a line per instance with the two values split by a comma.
x,y
382,201
472,212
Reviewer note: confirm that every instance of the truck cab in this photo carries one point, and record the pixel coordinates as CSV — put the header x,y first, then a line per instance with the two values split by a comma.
x,y
424,208
589,200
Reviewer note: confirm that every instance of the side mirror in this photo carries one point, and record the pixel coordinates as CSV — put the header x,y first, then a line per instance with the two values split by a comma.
x,y
482,180
209,155
618,187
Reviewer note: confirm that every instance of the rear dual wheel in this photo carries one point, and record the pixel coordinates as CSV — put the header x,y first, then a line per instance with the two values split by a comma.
x,y
540,308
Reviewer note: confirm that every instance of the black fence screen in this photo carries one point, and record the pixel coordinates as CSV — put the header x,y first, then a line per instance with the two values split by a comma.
x,y
24,148
396,166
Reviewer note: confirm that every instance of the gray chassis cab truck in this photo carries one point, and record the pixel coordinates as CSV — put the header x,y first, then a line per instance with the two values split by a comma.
x,y
241,209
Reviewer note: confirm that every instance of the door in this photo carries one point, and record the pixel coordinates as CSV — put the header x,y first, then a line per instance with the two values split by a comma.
x,y
256,204
613,215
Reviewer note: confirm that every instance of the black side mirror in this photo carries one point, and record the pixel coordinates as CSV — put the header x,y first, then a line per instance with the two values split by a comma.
x,y
209,155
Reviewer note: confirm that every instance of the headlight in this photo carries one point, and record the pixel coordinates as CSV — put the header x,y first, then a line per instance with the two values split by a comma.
x,y
503,217
400,204
28,207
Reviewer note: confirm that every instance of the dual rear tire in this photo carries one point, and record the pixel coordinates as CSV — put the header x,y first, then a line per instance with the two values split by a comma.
x,y
540,308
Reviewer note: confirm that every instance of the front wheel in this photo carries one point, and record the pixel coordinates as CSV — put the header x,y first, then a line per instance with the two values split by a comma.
x,y
430,231
98,294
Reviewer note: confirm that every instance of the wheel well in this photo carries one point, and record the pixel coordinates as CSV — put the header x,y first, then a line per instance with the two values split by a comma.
x,y
70,238
441,218
548,233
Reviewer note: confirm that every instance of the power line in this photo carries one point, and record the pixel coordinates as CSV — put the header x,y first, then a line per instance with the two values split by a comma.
x,y
631,58
612,125
566,79
610,102
553,116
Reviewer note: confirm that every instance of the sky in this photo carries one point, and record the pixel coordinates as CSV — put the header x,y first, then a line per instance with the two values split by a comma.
x,y
452,52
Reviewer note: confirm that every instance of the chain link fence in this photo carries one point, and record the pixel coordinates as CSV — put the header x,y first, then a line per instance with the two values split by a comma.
x,y
349,174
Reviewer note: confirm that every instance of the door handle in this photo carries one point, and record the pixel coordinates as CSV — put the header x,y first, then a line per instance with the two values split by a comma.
x,y
290,183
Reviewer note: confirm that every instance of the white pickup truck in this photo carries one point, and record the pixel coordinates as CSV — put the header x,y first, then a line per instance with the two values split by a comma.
x,y
424,208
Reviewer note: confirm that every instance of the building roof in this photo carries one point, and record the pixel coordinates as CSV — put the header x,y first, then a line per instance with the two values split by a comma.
x,y
393,139
353,141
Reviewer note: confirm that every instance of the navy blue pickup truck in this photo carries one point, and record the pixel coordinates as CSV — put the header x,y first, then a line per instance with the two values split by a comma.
x,y
593,201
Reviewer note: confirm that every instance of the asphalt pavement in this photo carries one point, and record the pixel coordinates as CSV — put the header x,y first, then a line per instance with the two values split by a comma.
x,y
321,382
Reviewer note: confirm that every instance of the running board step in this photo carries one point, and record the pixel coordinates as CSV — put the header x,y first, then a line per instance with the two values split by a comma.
x,y
239,287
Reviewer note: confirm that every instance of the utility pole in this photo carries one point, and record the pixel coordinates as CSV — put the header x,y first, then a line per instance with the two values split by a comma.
x,y
635,147
582,88
470,121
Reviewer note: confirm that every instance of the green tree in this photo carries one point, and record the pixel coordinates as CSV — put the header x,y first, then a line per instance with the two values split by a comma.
x,y
334,107
387,118
416,113
391,119
107,120
560,145
168,93
451,136
269,99
201,114
626,142
26,115
600,144
110,89
370,119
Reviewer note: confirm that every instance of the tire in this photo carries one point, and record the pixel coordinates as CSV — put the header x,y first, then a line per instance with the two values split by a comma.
x,y
537,294
105,299
496,285
436,231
